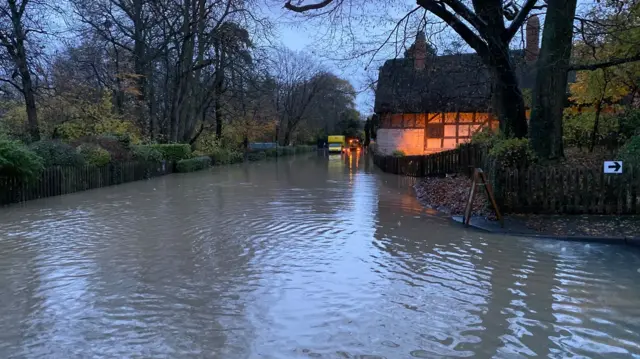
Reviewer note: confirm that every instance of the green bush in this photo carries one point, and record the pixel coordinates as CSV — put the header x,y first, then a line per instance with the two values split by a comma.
x,y
146,153
256,156
56,153
513,152
486,138
174,151
304,148
220,156
236,157
578,128
398,153
17,160
271,152
119,150
94,155
630,152
193,164
629,124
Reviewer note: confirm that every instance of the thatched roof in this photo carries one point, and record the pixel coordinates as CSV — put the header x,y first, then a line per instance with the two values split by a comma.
x,y
448,83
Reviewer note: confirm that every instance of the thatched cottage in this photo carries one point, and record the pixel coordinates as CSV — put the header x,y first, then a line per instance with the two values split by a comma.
x,y
427,103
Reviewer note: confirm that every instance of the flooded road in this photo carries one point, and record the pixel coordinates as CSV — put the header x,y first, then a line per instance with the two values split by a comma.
x,y
304,257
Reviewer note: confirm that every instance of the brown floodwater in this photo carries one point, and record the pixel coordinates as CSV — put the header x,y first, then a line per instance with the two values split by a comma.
x,y
297,258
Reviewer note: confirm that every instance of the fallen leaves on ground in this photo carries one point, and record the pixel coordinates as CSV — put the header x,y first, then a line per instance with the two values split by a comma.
x,y
450,194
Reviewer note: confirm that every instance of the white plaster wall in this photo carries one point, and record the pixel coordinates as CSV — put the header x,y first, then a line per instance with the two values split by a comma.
x,y
411,141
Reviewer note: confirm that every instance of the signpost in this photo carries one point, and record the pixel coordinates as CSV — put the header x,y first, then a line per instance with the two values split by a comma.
x,y
614,167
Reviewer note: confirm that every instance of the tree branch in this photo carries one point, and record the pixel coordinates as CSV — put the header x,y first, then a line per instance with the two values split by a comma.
x,y
302,8
604,64
511,31
473,40
12,84
466,13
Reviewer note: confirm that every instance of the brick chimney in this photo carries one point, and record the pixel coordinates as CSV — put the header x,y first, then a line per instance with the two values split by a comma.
x,y
532,47
420,51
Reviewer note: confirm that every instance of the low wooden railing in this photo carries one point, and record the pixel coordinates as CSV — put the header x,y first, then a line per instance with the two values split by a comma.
x,y
460,160
535,189
568,191
55,181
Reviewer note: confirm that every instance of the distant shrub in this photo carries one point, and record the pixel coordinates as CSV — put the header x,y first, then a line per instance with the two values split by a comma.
x,y
174,151
118,149
630,152
513,152
94,155
271,152
146,153
303,149
256,156
56,153
220,156
287,151
193,164
236,157
17,160
486,138
398,153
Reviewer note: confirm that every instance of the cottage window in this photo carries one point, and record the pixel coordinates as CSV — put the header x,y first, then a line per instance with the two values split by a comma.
x,y
435,130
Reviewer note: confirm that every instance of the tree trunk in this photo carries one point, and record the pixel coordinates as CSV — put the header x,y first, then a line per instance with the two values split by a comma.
x,y
508,103
594,133
219,87
287,137
550,90
32,112
20,57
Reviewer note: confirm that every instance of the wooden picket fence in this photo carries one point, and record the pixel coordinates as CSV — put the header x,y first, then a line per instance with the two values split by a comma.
x,y
534,189
568,190
460,160
55,181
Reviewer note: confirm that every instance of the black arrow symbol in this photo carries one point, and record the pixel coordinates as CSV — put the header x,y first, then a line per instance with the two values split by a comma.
x,y
616,166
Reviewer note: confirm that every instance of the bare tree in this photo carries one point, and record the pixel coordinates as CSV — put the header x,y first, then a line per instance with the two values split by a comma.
x,y
20,20
298,79
484,29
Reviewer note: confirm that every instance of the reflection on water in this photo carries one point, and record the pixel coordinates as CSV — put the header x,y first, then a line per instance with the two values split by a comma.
x,y
316,256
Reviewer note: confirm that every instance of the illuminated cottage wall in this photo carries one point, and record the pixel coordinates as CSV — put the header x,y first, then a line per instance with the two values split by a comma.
x,y
417,134
427,103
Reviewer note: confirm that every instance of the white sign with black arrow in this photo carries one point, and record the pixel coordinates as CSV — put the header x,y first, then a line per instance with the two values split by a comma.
x,y
613,167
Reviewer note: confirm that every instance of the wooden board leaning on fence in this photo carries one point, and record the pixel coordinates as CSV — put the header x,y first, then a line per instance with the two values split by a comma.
x,y
479,179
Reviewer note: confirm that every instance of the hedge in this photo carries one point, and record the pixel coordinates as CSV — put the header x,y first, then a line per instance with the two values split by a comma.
x,y
256,156
193,164
94,155
56,153
173,151
146,153
223,156
16,160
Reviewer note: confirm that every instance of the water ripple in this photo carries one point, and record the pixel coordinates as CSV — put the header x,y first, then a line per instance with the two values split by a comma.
x,y
308,257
